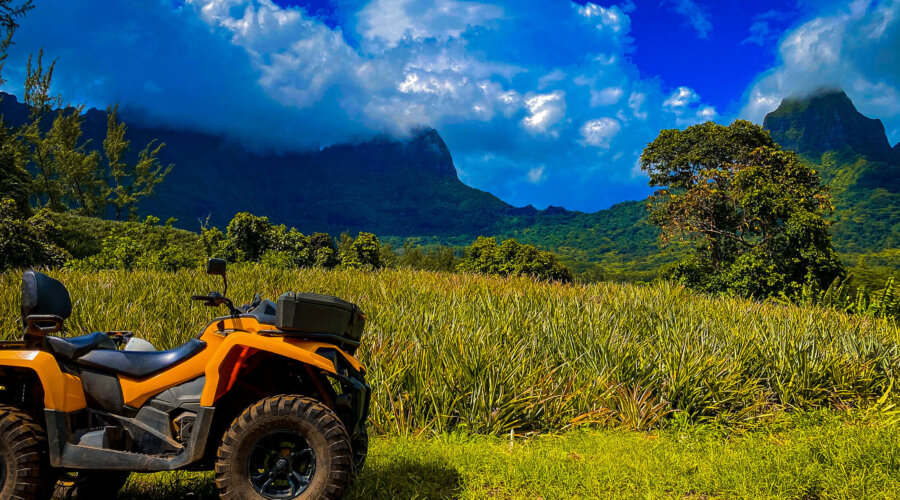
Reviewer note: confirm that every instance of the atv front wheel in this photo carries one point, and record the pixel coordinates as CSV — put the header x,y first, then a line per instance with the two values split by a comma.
x,y
90,485
284,447
360,450
23,457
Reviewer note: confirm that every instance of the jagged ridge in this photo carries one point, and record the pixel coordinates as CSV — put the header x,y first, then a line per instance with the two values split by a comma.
x,y
827,121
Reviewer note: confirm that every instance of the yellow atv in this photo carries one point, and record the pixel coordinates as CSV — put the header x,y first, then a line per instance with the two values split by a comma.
x,y
270,396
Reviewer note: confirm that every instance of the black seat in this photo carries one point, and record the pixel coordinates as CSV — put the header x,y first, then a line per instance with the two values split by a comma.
x,y
42,294
45,305
140,364
74,347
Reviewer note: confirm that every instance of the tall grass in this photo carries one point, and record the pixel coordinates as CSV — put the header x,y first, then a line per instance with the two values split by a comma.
x,y
494,355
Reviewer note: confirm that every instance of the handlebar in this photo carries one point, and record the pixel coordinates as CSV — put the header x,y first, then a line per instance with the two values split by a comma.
x,y
216,299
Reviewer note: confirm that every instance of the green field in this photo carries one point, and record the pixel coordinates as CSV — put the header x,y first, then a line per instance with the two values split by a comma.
x,y
498,387
813,456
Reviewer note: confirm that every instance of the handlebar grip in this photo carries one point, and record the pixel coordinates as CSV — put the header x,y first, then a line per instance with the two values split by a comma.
x,y
200,297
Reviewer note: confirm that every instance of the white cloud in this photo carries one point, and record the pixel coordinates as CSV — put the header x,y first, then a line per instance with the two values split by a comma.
x,y
391,21
536,174
635,102
696,15
687,107
681,98
607,18
707,113
555,76
286,47
606,97
428,85
600,132
545,110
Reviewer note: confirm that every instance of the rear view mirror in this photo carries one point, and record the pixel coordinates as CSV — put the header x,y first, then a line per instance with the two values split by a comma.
x,y
216,267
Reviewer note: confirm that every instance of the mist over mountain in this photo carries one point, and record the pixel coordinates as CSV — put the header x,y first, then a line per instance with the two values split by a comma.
x,y
410,188
393,188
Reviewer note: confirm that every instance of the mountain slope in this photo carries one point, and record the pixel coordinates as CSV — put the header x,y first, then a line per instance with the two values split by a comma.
x,y
409,188
394,188
855,160
827,121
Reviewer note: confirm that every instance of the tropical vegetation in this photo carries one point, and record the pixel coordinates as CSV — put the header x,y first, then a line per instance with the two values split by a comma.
x,y
754,210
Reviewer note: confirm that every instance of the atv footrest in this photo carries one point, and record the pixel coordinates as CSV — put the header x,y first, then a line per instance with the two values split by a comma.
x,y
107,438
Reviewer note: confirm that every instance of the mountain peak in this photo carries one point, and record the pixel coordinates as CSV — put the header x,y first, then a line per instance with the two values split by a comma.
x,y
826,120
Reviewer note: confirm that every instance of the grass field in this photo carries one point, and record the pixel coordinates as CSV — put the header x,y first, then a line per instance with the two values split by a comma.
x,y
818,455
507,388
482,355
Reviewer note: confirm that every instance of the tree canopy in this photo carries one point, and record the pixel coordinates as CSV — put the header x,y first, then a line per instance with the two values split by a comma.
x,y
754,210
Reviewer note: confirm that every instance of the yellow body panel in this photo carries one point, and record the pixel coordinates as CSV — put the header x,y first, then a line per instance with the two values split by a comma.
x,y
62,392
241,333
136,392
300,350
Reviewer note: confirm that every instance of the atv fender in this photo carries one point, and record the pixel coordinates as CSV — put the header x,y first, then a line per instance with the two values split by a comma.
x,y
62,392
224,368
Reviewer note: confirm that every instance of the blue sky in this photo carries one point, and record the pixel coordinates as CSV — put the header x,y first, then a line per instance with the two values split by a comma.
x,y
543,102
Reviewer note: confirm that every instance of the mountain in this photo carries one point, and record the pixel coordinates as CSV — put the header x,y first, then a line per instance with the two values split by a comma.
x,y
854,158
827,121
394,188
409,188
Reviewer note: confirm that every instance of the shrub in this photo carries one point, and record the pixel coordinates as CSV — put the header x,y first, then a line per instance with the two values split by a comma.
x,y
323,250
363,252
250,235
28,242
485,256
139,246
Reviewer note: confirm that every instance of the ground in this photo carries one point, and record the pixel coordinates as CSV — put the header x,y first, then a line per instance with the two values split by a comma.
x,y
813,455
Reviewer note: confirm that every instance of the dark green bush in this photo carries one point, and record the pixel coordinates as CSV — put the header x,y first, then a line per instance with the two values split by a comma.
x,y
28,241
485,256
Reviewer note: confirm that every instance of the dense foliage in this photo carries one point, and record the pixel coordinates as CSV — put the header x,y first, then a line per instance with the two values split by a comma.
x,y
140,246
754,210
28,241
512,258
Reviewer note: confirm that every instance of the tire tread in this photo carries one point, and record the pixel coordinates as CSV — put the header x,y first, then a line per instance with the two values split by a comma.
x,y
319,415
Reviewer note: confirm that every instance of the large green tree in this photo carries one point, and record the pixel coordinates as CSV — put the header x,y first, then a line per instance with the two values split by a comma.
x,y
753,210
69,172
15,182
130,181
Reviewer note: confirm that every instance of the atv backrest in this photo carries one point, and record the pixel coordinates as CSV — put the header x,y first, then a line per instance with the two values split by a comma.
x,y
43,296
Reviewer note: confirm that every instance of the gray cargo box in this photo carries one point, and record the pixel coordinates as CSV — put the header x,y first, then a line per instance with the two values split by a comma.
x,y
316,315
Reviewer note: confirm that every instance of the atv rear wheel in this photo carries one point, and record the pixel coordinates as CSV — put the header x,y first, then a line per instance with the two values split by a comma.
x,y
90,485
23,457
284,447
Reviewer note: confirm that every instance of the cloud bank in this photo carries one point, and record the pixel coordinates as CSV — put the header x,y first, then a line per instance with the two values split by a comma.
x,y
526,112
